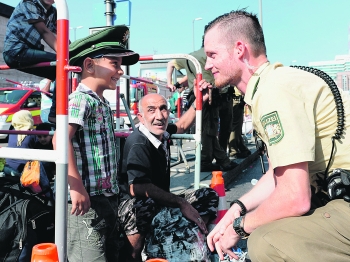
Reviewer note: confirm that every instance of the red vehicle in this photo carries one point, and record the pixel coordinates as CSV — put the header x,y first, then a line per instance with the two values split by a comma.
x,y
13,99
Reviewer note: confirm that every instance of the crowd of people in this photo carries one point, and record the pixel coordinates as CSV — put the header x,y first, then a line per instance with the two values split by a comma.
x,y
289,215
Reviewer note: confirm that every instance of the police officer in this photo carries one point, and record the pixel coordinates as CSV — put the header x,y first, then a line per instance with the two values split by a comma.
x,y
289,215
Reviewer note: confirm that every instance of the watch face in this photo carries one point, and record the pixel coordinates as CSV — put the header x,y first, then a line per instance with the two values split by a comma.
x,y
238,228
237,222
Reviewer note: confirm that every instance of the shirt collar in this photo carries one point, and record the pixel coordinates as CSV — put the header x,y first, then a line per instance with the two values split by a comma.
x,y
47,11
155,141
253,84
85,89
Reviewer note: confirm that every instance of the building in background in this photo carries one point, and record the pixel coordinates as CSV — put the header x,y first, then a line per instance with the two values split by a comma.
x,y
338,69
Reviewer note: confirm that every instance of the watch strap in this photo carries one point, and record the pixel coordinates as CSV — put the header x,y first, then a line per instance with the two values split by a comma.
x,y
241,205
194,104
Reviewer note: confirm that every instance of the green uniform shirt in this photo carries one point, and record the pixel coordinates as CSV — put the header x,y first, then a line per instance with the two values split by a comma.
x,y
295,115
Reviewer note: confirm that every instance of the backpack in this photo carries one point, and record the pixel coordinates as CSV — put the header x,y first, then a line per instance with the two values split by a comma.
x,y
26,219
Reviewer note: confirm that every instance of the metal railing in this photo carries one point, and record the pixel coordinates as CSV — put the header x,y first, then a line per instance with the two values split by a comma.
x,y
59,155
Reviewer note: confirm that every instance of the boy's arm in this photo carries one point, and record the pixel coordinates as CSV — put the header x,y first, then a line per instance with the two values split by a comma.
x,y
80,198
46,34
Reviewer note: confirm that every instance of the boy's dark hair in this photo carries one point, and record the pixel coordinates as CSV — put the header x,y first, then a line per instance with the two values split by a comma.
x,y
46,127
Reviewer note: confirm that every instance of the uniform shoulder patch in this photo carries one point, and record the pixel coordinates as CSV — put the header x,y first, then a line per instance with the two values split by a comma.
x,y
273,127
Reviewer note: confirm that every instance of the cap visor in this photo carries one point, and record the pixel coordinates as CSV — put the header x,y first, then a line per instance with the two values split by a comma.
x,y
129,57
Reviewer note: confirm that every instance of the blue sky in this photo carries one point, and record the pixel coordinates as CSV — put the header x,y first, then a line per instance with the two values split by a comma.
x,y
295,30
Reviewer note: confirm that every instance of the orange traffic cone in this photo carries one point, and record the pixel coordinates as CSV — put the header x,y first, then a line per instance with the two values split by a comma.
x,y
218,184
45,252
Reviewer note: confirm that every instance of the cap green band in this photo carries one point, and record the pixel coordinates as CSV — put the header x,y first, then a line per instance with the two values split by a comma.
x,y
99,46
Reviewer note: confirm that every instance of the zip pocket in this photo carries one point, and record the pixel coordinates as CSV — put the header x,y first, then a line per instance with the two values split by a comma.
x,y
23,236
32,220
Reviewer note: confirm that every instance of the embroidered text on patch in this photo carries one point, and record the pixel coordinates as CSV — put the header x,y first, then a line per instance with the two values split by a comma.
x,y
273,127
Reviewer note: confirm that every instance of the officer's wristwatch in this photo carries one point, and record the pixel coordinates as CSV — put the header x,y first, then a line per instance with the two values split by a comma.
x,y
238,225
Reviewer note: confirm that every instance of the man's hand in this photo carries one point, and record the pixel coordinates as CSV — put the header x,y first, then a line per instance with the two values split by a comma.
x,y
171,87
204,87
220,229
80,200
226,242
192,214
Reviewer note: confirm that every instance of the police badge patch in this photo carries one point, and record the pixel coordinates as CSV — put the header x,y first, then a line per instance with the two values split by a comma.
x,y
273,127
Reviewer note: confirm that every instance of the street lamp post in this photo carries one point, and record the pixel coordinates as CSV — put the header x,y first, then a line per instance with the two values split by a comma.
x,y
75,30
196,19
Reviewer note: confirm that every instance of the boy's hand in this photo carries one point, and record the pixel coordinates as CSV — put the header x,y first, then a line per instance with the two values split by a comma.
x,y
80,200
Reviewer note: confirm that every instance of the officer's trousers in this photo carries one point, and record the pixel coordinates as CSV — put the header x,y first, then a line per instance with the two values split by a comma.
x,y
321,235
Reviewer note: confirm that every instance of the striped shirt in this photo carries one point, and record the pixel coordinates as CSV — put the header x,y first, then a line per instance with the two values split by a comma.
x,y
94,142
20,33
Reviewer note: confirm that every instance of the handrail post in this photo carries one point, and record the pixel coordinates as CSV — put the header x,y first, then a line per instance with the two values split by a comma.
x,y
62,84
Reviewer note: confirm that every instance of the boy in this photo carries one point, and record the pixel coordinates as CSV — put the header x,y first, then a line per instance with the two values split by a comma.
x,y
93,229
31,22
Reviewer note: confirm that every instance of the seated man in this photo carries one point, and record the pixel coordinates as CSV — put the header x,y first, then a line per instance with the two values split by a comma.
x,y
45,142
21,121
145,176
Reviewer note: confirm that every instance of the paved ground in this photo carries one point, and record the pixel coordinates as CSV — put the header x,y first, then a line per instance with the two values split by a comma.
x,y
182,178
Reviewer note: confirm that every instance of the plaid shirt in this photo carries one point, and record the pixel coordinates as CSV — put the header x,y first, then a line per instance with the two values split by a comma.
x,y
20,34
94,142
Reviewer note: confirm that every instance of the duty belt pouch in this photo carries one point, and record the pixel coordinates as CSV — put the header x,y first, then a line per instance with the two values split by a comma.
x,y
338,184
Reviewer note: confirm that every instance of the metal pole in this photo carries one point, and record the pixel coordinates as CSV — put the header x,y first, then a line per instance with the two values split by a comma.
x,y
260,13
109,12
196,19
75,30
62,82
193,33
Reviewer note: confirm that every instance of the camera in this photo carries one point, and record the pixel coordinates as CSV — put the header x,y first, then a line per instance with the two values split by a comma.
x,y
338,184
